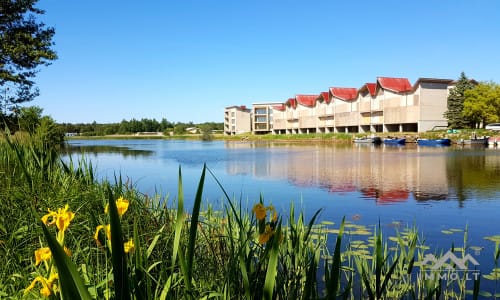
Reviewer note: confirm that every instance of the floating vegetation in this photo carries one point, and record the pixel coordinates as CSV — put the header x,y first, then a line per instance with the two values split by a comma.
x,y
493,238
494,274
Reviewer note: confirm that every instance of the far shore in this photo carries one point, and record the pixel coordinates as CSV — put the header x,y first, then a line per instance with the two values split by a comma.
x,y
313,137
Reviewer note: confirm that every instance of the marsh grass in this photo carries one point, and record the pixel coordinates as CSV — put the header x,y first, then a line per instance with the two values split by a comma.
x,y
201,254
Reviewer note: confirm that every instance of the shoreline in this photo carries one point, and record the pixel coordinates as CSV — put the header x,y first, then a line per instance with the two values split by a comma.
x,y
338,138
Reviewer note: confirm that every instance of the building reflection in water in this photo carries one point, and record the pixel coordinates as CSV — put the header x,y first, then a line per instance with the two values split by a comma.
x,y
384,174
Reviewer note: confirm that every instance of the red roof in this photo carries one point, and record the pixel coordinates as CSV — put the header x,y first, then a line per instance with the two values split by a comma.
x,y
384,197
306,100
370,88
324,96
345,94
291,102
397,85
281,107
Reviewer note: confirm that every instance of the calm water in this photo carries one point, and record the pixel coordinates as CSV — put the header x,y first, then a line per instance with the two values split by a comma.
x,y
435,188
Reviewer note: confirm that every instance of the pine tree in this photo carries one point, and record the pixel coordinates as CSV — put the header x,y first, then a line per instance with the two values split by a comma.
x,y
456,100
25,44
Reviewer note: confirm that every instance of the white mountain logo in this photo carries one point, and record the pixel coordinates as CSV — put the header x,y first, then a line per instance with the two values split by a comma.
x,y
449,256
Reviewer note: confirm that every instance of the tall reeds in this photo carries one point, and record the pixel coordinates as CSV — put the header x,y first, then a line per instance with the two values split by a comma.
x,y
155,249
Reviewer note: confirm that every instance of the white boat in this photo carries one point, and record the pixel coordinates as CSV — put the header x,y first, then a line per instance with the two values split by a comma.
x,y
368,140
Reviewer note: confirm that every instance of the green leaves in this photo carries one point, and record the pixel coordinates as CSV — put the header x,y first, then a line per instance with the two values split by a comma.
x,y
72,286
120,273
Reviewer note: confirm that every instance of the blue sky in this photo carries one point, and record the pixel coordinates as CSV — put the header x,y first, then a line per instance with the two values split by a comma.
x,y
188,60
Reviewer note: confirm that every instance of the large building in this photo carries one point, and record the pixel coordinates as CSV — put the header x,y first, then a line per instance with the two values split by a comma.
x,y
387,105
237,120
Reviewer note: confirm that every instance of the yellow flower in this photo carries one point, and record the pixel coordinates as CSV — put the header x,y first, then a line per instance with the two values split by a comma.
x,y
61,218
67,251
266,235
107,228
42,254
260,211
274,215
121,206
128,246
47,284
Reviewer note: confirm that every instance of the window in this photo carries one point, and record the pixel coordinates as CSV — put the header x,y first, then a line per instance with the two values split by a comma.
x,y
260,111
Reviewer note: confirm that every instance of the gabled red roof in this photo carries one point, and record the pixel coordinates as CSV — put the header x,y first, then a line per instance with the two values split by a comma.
x,y
280,107
291,102
306,100
324,96
346,94
370,88
398,85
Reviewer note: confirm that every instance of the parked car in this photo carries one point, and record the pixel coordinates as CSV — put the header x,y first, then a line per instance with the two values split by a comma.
x,y
493,126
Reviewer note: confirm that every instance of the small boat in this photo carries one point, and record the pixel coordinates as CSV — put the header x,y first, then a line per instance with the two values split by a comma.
x,y
434,142
474,141
368,140
394,141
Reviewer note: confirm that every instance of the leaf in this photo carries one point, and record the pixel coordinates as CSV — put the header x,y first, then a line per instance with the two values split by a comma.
x,y
272,266
194,227
334,284
72,286
120,272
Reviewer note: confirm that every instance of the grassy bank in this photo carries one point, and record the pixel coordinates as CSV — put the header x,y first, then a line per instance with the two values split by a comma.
x,y
122,244
312,137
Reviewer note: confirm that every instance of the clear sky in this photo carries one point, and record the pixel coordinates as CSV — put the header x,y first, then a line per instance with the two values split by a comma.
x,y
187,60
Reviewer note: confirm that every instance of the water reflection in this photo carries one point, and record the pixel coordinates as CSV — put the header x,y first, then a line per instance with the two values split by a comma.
x,y
384,174
94,150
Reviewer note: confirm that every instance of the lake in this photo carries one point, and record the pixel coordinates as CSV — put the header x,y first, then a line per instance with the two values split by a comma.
x,y
434,188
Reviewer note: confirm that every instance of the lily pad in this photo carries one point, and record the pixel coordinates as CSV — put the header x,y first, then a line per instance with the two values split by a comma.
x,y
493,238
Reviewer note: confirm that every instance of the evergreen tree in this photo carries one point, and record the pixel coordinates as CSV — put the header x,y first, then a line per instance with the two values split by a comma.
x,y
25,44
456,100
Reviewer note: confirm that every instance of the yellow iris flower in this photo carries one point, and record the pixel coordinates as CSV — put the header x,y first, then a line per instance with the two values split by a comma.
x,y
62,218
260,211
128,246
47,284
107,229
266,235
121,205
42,254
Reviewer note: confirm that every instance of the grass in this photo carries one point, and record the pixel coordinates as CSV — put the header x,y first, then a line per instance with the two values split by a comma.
x,y
231,252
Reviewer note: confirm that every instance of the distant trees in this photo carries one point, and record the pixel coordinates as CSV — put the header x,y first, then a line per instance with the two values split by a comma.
x,y
134,126
25,44
43,128
456,100
482,104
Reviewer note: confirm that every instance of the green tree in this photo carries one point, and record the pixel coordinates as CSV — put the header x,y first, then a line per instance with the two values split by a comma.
x,y
180,128
482,104
29,118
25,44
456,100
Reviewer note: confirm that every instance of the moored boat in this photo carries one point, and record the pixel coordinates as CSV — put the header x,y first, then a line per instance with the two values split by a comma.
x,y
394,141
368,140
434,142
475,141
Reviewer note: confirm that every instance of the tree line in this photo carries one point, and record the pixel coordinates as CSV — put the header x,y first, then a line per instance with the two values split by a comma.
x,y
143,125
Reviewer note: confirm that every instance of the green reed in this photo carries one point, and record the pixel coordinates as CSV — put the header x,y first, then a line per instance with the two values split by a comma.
x,y
227,253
